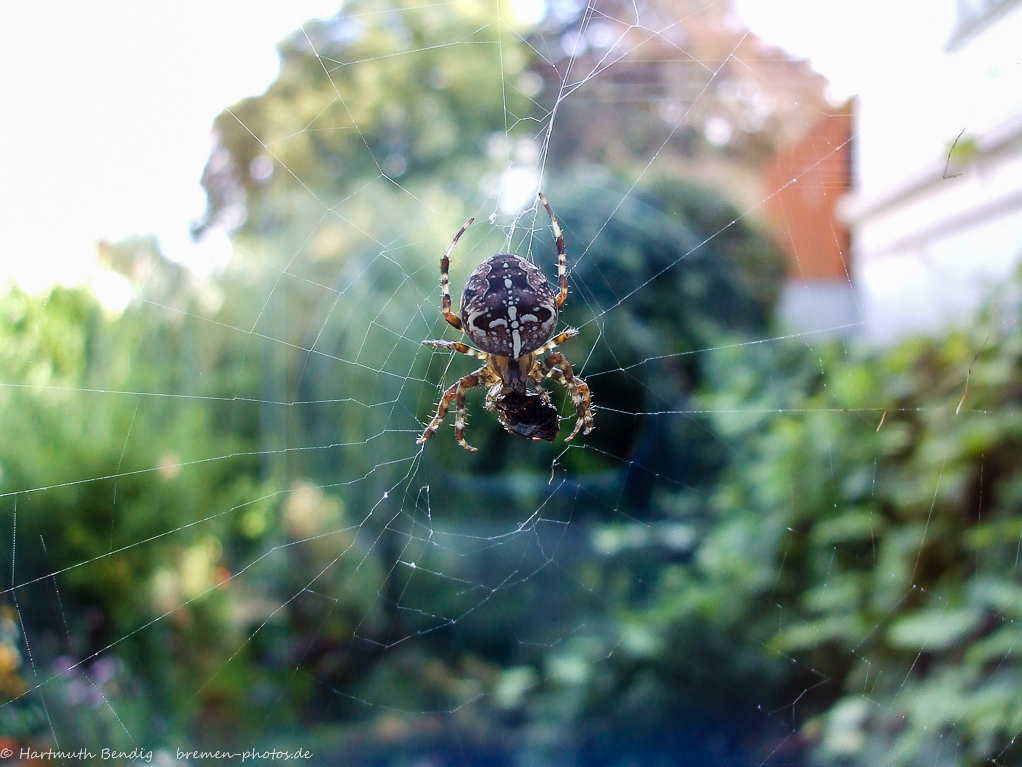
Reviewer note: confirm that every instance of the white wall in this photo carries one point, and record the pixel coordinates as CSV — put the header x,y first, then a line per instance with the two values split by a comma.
x,y
927,247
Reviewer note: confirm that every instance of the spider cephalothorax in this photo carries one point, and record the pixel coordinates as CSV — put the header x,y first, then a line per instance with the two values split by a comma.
x,y
509,310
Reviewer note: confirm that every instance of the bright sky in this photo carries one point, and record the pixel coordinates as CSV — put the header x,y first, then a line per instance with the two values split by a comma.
x,y
853,43
108,106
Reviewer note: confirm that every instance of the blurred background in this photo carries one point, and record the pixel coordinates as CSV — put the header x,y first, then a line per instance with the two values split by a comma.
x,y
793,234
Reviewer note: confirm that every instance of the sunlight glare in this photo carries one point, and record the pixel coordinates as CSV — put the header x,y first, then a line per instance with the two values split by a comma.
x,y
518,189
529,12
112,290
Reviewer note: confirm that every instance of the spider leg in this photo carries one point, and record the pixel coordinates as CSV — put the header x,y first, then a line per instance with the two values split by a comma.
x,y
562,257
556,366
457,393
493,394
445,278
457,346
556,341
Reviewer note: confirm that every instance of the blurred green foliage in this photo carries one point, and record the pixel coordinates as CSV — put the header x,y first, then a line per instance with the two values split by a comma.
x,y
133,526
862,556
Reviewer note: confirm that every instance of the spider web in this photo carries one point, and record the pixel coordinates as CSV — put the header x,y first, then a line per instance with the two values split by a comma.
x,y
441,601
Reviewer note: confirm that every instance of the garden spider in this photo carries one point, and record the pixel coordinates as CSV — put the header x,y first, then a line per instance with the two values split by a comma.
x,y
509,311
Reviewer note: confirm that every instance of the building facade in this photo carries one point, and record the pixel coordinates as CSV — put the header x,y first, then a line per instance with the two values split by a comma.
x,y
936,215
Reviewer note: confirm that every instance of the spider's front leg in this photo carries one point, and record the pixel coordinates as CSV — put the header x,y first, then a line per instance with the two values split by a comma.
x,y
445,279
554,342
556,366
457,393
457,346
562,256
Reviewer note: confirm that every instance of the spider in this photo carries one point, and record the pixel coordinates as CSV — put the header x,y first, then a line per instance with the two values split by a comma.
x,y
509,310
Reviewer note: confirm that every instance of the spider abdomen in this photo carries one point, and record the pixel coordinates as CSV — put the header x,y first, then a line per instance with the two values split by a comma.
x,y
508,307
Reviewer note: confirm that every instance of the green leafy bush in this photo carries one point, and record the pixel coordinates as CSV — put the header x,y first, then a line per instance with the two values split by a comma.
x,y
868,529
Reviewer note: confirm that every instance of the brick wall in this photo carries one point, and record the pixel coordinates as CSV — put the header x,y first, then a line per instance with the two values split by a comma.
x,y
802,213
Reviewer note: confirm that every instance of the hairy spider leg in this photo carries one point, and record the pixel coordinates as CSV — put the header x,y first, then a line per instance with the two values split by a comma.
x,y
471,351
562,256
556,341
556,366
445,278
457,346
457,393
